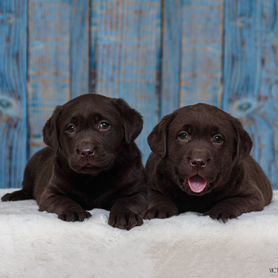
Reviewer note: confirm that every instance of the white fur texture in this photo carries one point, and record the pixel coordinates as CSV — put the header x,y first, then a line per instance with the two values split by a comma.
x,y
38,244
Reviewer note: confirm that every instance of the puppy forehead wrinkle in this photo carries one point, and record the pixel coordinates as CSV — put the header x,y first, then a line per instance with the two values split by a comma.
x,y
200,122
202,118
90,111
90,101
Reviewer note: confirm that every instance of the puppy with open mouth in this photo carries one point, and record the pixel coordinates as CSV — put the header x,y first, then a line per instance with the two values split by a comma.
x,y
91,161
201,162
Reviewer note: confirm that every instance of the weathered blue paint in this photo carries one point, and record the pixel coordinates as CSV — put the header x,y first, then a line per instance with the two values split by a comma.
x,y
251,75
192,53
201,61
157,55
79,47
13,91
125,52
49,62
172,56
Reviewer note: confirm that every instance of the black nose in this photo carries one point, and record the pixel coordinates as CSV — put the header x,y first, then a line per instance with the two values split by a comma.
x,y
87,152
198,163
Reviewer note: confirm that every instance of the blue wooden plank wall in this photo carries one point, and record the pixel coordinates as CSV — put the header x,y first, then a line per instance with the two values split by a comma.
x,y
13,91
125,52
251,75
158,55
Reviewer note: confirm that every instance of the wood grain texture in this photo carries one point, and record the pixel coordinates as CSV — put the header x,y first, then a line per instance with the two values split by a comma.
x,y
157,55
49,63
251,75
201,61
125,52
171,56
79,47
13,91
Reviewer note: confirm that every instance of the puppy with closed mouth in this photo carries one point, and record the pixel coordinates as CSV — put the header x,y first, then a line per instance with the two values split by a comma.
x,y
201,162
91,161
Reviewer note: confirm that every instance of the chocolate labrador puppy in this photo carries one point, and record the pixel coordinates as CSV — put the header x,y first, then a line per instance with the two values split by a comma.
x,y
201,162
91,162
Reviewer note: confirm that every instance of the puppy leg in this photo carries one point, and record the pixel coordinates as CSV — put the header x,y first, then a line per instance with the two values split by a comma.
x,y
66,208
126,213
160,206
234,207
17,196
26,192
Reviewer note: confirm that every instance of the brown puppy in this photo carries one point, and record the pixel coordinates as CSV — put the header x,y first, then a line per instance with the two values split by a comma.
x,y
201,162
91,162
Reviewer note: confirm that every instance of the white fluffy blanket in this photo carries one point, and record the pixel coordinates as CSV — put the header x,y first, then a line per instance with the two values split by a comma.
x,y
38,244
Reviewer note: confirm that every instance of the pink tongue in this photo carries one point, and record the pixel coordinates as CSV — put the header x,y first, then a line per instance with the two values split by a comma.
x,y
197,184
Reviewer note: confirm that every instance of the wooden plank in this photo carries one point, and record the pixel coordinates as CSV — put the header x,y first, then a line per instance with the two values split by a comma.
x,y
171,56
49,64
79,47
13,91
125,55
251,75
201,61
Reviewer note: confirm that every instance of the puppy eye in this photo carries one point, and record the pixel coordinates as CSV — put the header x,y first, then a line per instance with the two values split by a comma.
x,y
184,136
218,139
103,125
71,128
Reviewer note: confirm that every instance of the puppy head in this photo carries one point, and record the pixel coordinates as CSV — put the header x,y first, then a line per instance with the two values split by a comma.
x,y
203,144
90,131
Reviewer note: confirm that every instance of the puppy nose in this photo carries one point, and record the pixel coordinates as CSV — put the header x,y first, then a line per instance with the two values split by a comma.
x,y
87,152
198,163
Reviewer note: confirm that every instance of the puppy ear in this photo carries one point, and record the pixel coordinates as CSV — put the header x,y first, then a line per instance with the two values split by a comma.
x,y
133,121
50,132
158,137
243,140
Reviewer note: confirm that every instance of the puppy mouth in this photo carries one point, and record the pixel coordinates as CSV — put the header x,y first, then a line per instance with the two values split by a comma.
x,y
91,167
94,166
197,184
87,166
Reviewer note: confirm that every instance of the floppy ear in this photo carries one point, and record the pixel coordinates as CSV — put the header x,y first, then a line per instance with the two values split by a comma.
x,y
243,140
133,122
158,137
50,132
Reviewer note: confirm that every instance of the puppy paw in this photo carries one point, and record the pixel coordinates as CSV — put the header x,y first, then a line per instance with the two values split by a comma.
x,y
160,212
16,196
72,216
9,197
222,215
124,220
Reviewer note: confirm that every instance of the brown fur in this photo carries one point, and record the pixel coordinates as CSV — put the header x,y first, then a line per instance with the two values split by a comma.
x,y
236,183
88,164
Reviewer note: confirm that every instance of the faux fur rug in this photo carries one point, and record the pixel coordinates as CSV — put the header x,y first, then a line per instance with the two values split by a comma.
x,y
38,244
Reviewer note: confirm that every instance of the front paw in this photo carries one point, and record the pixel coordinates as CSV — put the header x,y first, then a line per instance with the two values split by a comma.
x,y
124,219
222,214
160,212
72,215
16,196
